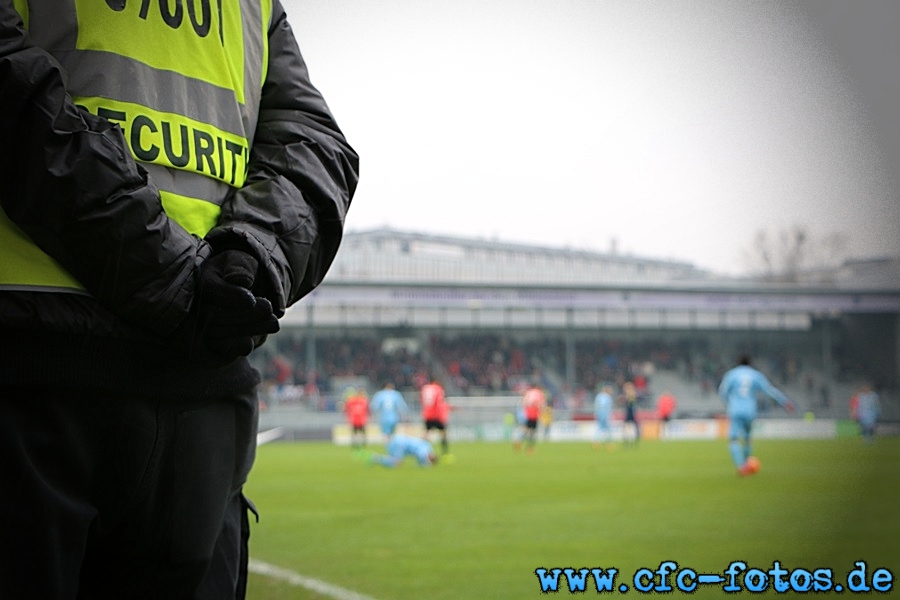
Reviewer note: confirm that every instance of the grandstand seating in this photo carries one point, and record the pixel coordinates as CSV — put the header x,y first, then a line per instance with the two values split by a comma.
x,y
485,372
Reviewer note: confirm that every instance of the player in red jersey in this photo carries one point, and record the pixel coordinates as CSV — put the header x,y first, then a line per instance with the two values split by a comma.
x,y
435,410
665,407
533,401
356,407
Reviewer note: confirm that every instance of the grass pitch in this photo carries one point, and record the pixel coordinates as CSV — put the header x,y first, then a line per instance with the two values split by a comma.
x,y
478,528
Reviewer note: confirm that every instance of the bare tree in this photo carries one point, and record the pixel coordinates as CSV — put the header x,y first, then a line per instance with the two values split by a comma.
x,y
794,254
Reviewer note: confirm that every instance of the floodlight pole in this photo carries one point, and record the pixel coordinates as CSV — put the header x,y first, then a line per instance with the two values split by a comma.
x,y
826,349
310,340
570,350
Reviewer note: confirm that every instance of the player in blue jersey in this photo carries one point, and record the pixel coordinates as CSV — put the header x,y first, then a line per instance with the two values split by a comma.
x,y
867,412
603,403
739,389
402,446
390,406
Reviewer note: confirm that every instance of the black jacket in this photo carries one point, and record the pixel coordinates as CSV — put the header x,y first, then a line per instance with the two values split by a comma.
x,y
70,183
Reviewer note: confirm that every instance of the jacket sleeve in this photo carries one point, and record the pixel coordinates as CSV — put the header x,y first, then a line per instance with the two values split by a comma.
x,y
70,183
301,179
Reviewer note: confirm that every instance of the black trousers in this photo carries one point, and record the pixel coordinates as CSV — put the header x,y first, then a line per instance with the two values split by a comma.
x,y
118,496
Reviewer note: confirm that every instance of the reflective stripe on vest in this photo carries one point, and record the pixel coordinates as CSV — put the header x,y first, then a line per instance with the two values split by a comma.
x,y
186,96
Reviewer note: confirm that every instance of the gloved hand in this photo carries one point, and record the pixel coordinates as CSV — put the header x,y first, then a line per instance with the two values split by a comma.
x,y
225,316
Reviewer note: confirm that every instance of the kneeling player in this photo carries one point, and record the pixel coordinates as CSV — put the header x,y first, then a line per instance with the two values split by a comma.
x,y
402,446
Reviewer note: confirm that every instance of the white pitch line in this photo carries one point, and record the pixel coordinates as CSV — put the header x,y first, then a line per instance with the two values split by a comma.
x,y
315,585
264,437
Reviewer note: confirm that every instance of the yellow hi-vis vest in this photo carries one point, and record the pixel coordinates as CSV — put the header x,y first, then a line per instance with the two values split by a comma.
x,y
182,78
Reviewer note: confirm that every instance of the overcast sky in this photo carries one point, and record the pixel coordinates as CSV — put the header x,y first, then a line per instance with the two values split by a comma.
x,y
677,129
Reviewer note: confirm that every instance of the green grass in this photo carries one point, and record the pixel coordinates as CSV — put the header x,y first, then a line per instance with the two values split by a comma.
x,y
478,528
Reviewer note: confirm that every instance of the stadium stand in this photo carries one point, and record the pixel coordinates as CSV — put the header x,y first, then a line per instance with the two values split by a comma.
x,y
488,317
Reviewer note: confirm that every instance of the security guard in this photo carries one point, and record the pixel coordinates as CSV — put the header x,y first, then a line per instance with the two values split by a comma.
x,y
170,182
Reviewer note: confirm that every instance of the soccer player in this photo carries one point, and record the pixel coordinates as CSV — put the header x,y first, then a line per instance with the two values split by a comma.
x,y
603,403
390,407
739,389
868,409
665,407
629,399
402,446
435,410
854,407
546,420
533,402
356,407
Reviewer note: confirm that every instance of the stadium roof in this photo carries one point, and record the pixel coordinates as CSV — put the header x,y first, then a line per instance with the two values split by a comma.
x,y
387,278
388,256
386,234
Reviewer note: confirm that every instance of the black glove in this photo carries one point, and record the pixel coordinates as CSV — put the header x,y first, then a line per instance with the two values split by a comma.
x,y
225,317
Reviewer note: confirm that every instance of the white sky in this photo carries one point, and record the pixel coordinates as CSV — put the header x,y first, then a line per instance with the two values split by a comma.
x,y
679,129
